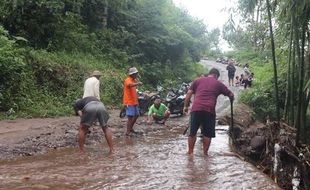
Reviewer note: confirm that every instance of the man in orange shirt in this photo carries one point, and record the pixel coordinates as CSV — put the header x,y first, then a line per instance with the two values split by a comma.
x,y
130,99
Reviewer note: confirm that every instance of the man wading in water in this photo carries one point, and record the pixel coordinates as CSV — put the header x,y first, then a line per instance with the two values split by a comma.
x,y
130,99
206,90
91,109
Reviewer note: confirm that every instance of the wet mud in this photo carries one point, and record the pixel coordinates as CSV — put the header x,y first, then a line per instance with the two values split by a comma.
x,y
62,133
43,154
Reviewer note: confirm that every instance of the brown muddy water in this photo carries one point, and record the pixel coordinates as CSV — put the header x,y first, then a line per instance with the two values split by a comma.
x,y
155,161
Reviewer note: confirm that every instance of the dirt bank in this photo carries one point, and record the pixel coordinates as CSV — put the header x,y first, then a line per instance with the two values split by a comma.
x,y
271,148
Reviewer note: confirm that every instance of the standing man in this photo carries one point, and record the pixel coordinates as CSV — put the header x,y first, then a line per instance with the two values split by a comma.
x,y
91,109
206,90
231,73
92,84
130,99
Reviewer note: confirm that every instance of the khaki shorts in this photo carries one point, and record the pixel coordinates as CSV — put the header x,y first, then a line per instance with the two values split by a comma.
x,y
94,111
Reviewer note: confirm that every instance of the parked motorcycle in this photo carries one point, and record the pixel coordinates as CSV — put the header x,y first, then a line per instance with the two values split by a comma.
x,y
183,88
146,100
175,101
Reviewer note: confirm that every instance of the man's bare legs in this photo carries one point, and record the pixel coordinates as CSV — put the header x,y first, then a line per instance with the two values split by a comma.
x,y
192,141
191,144
108,136
82,135
231,82
130,123
206,144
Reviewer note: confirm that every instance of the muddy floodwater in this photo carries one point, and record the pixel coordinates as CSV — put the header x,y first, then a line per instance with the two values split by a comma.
x,y
156,161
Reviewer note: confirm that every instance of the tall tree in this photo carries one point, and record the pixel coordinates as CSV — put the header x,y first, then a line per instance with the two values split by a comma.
x,y
273,49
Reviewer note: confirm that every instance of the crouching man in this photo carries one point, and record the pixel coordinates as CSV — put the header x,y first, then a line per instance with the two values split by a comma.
x,y
90,109
158,112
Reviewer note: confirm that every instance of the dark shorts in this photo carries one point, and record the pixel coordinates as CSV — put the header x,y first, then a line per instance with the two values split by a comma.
x,y
132,111
94,111
231,75
204,119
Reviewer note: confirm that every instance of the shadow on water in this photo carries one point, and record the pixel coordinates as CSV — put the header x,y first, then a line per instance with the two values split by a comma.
x,y
156,161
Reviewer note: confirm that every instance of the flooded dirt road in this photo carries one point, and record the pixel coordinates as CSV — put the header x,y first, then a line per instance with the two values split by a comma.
x,y
155,160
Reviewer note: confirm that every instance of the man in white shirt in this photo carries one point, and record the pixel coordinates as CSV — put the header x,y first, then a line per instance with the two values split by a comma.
x,y
92,84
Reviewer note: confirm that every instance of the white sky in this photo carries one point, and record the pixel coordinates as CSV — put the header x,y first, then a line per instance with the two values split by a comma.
x,y
212,12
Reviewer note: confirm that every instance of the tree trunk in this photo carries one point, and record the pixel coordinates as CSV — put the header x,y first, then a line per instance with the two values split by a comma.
x,y
256,25
301,94
298,57
292,79
274,62
288,79
307,91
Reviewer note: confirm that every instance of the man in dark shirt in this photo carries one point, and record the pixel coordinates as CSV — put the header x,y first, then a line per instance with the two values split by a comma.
x,y
231,73
91,109
206,91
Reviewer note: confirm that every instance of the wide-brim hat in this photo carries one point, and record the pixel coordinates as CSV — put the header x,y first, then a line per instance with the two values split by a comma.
x,y
132,70
96,73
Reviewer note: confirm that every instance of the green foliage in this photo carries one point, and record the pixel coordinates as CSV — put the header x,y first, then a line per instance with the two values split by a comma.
x,y
288,41
34,20
94,13
51,47
247,56
52,81
72,36
64,75
260,97
12,71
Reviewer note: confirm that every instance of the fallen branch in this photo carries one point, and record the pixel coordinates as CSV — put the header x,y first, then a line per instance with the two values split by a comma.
x,y
291,154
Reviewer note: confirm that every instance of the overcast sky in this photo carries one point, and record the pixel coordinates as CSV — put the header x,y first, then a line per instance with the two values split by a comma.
x,y
212,12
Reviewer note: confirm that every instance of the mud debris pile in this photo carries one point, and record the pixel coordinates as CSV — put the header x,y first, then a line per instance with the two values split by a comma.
x,y
271,148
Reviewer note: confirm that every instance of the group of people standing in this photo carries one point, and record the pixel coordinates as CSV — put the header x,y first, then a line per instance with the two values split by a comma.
x,y
205,89
244,80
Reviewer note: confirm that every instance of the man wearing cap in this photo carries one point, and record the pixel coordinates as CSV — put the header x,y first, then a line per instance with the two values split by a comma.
x,y
130,99
92,84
